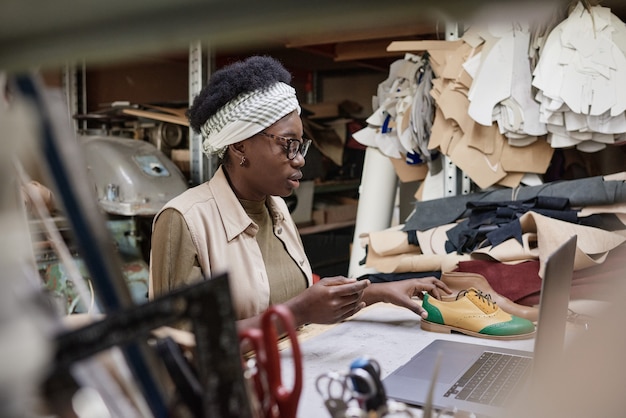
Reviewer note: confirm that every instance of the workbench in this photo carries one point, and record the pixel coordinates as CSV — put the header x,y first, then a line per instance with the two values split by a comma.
x,y
387,333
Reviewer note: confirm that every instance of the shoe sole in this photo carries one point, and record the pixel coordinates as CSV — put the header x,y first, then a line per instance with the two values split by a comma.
x,y
448,329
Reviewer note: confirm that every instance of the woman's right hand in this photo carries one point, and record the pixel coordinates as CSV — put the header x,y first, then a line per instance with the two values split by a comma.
x,y
330,300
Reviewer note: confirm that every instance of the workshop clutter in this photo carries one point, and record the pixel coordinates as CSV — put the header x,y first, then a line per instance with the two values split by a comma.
x,y
193,374
392,127
501,99
358,392
488,235
401,124
580,77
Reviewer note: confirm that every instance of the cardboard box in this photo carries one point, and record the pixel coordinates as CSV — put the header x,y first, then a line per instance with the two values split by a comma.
x,y
340,209
322,110
181,158
341,213
318,216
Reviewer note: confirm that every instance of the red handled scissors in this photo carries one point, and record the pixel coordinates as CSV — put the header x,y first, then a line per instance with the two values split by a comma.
x,y
276,399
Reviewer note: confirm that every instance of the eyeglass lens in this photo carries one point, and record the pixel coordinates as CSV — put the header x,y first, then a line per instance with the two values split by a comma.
x,y
295,146
292,146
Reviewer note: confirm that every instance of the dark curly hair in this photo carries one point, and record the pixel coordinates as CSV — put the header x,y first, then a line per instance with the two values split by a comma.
x,y
232,80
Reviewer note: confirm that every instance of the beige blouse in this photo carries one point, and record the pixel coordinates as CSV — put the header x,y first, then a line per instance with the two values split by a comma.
x,y
206,231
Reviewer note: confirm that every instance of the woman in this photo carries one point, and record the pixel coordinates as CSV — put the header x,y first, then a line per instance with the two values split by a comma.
x,y
238,222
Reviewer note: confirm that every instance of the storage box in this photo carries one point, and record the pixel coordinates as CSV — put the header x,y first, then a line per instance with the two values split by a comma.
x,y
337,210
322,110
318,216
181,158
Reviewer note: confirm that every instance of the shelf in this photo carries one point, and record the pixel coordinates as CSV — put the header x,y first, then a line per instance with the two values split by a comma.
x,y
337,186
316,229
104,31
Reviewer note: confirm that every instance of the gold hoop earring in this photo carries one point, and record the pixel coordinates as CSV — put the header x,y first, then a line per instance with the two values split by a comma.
x,y
242,162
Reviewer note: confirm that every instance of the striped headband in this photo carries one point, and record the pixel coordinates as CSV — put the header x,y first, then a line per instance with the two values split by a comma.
x,y
247,115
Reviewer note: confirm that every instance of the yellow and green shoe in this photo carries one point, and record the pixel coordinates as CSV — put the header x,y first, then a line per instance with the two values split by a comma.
x,y
474,313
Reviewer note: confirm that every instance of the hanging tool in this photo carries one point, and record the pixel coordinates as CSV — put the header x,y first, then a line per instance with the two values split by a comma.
x,y
340,394
276,399
376,400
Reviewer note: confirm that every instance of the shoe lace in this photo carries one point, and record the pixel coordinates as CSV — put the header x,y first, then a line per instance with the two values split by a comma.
x,y
484,297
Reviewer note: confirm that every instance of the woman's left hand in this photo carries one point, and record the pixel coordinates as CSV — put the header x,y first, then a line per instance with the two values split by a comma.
x,y
403,292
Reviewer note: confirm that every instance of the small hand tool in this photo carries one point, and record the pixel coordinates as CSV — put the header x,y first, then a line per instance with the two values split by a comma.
x,y
377,398
276,399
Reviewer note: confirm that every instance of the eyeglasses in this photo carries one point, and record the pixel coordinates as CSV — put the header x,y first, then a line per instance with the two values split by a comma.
x,y
292,146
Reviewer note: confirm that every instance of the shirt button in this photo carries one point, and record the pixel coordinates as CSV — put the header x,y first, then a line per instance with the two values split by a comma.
x,y
279,230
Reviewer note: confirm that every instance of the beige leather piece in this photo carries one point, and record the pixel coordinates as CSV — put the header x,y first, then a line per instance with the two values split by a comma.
x,y
512,180
511,251
438,132
413,262
433,241
453,105
483,138
534,158
593,244
454,61
437,60
456,135
485,170
473,36
471,66
616,208
391,241
464,79
476,149
438,86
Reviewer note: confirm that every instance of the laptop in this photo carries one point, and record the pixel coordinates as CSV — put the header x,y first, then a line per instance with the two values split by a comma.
x,y
461,366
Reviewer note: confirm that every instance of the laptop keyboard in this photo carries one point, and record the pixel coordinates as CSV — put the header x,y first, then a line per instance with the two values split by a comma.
x,y
491,378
